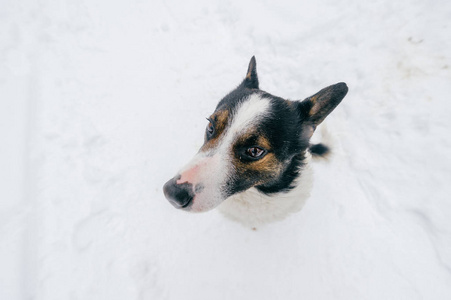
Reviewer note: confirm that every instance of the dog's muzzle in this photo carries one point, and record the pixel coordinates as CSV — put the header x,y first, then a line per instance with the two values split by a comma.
x,y
180,195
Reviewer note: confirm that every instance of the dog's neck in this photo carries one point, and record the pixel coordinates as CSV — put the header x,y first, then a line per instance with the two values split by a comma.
x,y
253,208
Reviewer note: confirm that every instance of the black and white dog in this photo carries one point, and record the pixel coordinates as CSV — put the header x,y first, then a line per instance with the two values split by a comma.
x,y
255,160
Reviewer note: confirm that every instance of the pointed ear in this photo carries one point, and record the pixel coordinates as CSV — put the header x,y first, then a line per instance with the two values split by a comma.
x,y
251,80
316,108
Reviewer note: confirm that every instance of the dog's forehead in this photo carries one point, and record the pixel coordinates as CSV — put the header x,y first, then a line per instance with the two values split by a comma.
x,y
238,104
235,97
249,112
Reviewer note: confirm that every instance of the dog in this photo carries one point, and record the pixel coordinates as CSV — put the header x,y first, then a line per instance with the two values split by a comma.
x,y
255,161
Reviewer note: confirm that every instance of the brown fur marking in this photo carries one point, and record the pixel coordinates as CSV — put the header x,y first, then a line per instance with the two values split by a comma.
x,y
259,171
264,143
220,119
315,108
249,70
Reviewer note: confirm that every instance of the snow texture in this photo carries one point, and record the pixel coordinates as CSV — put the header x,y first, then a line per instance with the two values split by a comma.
x,y
103,101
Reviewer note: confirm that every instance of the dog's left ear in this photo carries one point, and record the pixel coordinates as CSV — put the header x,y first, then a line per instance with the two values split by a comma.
x,y
251,80
316,108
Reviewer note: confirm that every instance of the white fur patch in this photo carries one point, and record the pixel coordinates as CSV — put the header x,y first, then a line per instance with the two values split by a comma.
x,y
247,113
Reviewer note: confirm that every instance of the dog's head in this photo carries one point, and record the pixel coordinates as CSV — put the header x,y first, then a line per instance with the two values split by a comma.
x,y
253,139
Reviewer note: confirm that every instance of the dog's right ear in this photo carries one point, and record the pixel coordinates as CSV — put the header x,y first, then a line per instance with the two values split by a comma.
x,y
251,80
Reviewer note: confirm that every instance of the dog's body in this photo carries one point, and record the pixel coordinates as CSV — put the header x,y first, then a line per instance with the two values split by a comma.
x,y
256,154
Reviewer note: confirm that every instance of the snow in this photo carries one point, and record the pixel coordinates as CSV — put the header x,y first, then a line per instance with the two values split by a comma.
x,y
101,102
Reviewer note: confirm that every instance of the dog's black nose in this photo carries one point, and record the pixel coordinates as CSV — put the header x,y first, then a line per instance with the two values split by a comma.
x,y
180,195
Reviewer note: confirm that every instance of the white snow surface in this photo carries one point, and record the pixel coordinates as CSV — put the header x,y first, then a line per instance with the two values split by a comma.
x,y
101,102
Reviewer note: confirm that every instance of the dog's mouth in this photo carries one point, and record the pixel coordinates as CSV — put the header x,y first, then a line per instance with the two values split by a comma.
x,y
190,197
183,206
187,204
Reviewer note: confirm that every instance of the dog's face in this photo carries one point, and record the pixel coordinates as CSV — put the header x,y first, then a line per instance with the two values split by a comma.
x,y
253,139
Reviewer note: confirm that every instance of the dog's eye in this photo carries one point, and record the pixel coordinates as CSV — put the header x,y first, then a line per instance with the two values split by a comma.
x,y
210,129
255,152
